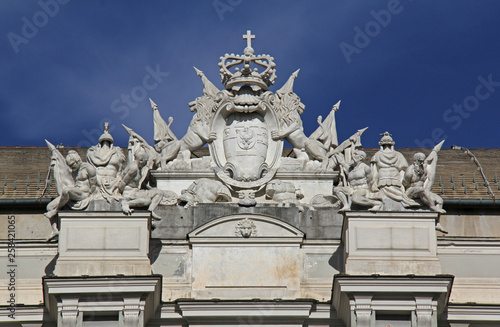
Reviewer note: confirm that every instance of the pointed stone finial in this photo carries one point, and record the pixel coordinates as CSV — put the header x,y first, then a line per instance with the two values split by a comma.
x,y
50,145
288,86
438,146
361,131
198,72
336,106
208,87
154,106
128,129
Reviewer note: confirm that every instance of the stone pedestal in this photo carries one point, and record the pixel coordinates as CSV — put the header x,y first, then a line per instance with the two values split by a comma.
x,y
103,244
390,243
310,183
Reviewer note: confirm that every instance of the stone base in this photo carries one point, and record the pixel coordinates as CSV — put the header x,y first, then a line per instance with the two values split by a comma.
x,y
391,243
103,244
311,183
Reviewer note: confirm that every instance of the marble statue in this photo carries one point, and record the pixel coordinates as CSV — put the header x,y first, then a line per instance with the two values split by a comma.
x,y
388,169
75,182
109,162
166,143
137,143
419,178
357,184
284,193
198,133
204,190
135,188
244,125
320,142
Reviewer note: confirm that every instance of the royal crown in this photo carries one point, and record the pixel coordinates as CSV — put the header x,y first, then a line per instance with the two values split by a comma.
x,y
242,73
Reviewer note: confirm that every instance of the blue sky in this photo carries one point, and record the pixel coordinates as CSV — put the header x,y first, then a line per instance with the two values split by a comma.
x,y
422,70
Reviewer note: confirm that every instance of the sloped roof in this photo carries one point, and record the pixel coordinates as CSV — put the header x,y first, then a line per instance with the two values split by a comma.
x,y
23,171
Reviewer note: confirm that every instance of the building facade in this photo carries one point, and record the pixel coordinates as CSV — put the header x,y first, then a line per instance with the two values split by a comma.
x,y
225,227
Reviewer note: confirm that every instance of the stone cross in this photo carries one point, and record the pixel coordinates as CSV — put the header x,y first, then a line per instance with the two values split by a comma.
x,y
249,38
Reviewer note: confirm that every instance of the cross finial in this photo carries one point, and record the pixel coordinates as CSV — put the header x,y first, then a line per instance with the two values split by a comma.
x,y
249,38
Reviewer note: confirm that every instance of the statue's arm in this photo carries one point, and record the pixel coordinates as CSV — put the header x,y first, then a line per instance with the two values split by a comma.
x,y
285,132
368,175
124,180
340,159
374,176
92,177
201,131
407,177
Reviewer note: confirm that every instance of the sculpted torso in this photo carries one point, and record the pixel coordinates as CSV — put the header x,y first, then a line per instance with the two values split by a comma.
x,y
84,177
108,161
417,177
357,176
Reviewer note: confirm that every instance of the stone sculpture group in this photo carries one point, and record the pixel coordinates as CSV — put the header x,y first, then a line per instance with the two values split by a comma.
x,y
244,125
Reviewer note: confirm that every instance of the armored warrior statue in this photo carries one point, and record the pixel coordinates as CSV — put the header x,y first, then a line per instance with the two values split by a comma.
x,y
108,161
388,169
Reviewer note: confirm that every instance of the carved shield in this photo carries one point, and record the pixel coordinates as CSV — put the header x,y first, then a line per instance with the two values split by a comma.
x,y
245,146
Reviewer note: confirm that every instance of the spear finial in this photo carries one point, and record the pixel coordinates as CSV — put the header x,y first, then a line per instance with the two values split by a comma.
x,y
154,106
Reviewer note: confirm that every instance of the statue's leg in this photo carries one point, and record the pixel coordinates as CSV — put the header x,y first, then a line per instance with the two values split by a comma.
x,y
55,231
341,194
434,201
360,197
125,207
438,208
147,201
300,154
52,208
315,149
155,200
